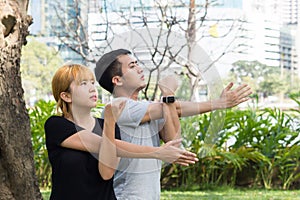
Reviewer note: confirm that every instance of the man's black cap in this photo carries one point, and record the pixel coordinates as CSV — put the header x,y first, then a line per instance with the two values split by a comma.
x,y
104,62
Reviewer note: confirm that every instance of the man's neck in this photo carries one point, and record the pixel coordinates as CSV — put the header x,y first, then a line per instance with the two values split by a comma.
x,y
131,95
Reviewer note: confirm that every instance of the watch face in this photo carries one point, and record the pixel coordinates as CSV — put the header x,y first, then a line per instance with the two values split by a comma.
x,y
169,99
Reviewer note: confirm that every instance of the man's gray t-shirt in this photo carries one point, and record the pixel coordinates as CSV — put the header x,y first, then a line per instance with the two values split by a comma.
x,y
138,179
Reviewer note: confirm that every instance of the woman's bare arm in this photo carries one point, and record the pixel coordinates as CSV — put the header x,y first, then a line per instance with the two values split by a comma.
x,y
87,141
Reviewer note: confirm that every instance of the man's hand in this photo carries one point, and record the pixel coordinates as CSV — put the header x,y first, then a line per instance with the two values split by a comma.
x,y
168,85
170,153
230,98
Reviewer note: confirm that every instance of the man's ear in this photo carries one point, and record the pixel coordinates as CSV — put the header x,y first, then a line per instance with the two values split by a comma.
x,y
117,81
66,96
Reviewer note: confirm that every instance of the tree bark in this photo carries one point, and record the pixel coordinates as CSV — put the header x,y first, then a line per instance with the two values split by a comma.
x,y
17,172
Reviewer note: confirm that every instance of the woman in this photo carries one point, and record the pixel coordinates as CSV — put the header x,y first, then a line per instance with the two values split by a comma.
x,y
83,162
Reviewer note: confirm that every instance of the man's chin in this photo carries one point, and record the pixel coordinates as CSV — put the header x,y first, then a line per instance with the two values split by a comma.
x,y
142,87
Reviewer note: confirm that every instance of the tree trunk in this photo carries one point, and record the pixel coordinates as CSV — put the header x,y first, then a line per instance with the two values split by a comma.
x,y
17,172
191,39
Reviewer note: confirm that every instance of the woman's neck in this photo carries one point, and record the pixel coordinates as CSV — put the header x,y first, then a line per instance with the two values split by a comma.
x,y
83,118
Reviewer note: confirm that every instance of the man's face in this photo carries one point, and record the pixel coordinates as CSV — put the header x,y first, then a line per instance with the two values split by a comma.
x,y
133,76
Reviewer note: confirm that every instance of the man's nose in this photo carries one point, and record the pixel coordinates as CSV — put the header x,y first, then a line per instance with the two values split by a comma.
x,y
140,69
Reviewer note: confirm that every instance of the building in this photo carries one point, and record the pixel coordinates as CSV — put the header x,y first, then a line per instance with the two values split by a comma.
x,y
50,22
279,38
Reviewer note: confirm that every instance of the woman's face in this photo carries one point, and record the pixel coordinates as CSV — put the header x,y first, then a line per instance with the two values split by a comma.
x,y
84,93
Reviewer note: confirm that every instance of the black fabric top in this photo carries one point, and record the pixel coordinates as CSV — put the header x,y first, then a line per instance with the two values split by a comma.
x,y
75,174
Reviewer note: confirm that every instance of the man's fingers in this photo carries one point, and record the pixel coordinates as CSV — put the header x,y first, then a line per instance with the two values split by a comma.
x,y
189,154
175,142
186,161
242,88
228,87
244,99
243,91
188,157
182,163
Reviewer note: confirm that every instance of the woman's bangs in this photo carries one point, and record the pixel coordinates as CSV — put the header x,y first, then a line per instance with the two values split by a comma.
x,y
83,73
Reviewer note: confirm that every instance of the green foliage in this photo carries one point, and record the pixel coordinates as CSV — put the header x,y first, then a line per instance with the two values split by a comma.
x,y
294,82
263,79
38,115
289,163
97,112
260,143
38,63
264,142
184,91
296,97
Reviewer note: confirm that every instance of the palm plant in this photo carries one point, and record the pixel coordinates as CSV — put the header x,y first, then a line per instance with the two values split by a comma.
x,y
38,115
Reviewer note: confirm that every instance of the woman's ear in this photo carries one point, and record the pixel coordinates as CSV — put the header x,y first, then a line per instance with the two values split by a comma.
x,y
66,96
117,81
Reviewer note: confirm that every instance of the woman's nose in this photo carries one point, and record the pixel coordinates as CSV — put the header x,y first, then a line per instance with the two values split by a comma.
x,y
92,87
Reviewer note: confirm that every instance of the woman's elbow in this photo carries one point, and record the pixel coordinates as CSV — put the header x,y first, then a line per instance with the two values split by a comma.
x,y
107,173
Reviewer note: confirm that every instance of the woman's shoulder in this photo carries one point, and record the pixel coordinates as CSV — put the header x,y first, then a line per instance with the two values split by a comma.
x,y
100,119
55,119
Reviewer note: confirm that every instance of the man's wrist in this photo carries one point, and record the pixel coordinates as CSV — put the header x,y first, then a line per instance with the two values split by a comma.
x,y
216,104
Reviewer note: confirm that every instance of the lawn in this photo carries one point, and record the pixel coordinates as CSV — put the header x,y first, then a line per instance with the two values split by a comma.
x,y
224,194
231,194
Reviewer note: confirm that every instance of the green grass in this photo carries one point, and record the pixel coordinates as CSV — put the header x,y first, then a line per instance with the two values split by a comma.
x,y
231,194
224,194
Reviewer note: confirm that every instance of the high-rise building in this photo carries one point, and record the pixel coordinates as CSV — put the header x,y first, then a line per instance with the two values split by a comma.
x,y
278,19
289,11
51,20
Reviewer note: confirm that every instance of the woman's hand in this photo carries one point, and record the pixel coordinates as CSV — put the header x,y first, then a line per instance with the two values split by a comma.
x,y
108,158
114,109
170,153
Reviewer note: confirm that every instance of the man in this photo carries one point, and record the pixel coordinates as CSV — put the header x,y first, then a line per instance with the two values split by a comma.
x,y
119,73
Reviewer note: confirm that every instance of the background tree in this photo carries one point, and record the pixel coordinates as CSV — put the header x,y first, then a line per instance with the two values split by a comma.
x,y
264,80
17,172
158,54
38,64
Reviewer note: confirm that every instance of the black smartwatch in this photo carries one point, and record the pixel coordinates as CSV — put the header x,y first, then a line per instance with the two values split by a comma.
x,y
168,99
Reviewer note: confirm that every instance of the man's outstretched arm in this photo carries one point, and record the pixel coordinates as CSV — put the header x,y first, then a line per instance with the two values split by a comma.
x,y
228,99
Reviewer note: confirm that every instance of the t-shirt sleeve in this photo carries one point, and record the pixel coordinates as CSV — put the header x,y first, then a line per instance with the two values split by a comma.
x,y
57,129
133,113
